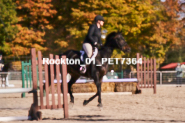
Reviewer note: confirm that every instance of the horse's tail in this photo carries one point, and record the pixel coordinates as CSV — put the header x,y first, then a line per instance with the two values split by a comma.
x,y
60,55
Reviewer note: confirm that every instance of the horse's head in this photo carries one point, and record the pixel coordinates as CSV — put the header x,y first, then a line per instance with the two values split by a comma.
x,y
116,40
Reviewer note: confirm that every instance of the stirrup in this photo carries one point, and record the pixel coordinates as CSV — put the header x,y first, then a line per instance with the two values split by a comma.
x,y
83,69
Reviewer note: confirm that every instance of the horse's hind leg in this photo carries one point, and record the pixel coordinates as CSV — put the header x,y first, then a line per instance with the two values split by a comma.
x,y
98,85
71,82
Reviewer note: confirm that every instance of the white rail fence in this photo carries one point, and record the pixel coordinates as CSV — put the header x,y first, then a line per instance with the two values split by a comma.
x,y
163,77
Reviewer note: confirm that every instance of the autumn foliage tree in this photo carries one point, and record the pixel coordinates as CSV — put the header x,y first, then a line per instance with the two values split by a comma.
x,y
33,18
165,34
30,18
8,30
148,26
176,50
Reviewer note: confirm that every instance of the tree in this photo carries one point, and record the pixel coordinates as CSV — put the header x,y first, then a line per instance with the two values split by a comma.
x,y
176,50
8,29
33,20
166,27
26,39
148,28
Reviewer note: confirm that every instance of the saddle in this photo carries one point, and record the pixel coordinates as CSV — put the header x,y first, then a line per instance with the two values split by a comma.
x,y
94,54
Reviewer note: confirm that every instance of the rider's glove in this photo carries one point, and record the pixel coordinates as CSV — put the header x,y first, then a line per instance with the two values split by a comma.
x,y
95,44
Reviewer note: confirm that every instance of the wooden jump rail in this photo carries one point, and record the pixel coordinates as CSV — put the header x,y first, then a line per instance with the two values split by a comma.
x,y
34,113
146,73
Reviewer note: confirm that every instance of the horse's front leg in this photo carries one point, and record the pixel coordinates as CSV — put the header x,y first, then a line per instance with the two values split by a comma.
x,y
98,85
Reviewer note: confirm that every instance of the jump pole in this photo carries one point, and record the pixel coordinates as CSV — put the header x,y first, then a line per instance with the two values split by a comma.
x,y
16,90
15,118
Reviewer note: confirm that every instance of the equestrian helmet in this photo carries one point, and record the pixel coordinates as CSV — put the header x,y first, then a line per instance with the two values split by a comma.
x,y
98,17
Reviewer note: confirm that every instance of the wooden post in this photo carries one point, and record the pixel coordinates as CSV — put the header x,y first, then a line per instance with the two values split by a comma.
x,y
138,75
138,67
52,82
29,64
47,85
40,79
34,76
144,72
151,73
155,76
65,87
58,81
148,73
33,112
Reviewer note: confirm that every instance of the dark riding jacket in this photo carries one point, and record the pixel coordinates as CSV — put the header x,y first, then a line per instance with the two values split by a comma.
x,y
94,35
1,61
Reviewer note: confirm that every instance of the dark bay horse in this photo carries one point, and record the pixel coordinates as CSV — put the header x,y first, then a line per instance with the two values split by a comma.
x,y
114,40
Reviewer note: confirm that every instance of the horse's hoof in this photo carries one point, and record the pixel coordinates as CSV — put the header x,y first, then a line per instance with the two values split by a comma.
x,y
85,102
100,105
71,104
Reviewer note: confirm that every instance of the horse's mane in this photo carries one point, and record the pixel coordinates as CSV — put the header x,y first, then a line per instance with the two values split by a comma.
x,y
112,34
109,37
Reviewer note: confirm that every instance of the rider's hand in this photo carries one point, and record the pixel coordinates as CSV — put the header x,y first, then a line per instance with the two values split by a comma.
x,y
95,44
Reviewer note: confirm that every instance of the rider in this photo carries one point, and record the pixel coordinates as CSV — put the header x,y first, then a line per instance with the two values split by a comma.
x,y
93,39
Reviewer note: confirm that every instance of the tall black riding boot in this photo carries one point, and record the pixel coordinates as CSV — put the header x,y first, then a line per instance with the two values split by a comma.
x,y
84,59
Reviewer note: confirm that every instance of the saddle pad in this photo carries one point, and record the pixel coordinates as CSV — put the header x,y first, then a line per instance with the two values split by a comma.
x,y
93,56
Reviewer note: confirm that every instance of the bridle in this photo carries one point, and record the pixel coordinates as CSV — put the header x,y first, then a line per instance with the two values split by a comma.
x,y
124,44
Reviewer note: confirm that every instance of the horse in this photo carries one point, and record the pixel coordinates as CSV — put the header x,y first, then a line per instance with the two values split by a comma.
x,y
114,40
6,68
